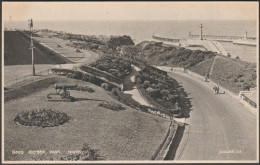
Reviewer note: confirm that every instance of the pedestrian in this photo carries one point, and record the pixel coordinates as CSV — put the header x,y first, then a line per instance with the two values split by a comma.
x,y
217,89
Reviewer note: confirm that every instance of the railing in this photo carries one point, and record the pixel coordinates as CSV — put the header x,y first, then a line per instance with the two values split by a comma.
x,y
27,78
220,37
252,103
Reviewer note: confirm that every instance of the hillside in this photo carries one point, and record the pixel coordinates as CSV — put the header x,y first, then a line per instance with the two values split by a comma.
x,y
234,74
157,54
17,52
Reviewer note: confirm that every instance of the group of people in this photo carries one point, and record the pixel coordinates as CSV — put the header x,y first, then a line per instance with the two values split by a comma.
x,y
216,89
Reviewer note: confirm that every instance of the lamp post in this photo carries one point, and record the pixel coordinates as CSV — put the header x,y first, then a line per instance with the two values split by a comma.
x,y
30,23
201,26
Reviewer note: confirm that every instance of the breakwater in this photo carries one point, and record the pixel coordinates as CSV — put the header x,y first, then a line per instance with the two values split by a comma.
x,y
219,38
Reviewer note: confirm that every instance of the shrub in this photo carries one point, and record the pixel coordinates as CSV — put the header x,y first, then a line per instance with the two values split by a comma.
x,y
77,50
111,106
85,88
114,92
85,77
86,154
77,75
93,79
146,84
101,73
164,92
106,86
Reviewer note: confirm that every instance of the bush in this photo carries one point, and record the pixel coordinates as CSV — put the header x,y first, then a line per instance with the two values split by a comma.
x,y
86,154
146,84
97,72
85,77
106,86
82,76
164,92
77,75
114,92
41,118
111,106
77,50
85,88
93,79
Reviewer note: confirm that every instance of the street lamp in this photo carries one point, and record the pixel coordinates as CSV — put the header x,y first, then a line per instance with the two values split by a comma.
x,y
30,23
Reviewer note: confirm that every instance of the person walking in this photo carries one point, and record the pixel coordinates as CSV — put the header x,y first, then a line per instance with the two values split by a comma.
x,y
217,89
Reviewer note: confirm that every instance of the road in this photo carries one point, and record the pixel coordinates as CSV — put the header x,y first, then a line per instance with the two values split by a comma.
x,y
219,127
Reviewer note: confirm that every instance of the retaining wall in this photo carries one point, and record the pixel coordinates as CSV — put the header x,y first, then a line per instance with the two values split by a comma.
x,y
163,149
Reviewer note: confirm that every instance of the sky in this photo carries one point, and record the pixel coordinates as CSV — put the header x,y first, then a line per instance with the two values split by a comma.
x,y
130,10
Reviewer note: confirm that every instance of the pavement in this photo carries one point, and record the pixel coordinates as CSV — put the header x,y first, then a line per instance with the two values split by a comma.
x,y
130,87
219,127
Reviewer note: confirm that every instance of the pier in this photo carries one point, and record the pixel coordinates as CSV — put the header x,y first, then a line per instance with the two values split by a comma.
x,y
219,38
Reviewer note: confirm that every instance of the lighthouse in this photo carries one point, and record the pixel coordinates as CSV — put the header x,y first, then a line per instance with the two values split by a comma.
x,y
201,26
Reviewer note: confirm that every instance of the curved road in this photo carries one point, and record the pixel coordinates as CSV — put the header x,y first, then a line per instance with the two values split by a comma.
x,y
219,127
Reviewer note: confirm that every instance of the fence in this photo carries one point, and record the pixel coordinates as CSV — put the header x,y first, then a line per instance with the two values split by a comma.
x,y
249,101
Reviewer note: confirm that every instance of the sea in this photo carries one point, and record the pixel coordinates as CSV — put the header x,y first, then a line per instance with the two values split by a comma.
x,y
142,30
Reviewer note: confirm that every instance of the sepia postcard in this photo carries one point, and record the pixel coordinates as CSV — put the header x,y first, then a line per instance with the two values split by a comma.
x,y
130,82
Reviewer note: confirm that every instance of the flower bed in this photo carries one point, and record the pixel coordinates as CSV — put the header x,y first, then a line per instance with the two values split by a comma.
x,y
159,89
41,118
85,88
111,106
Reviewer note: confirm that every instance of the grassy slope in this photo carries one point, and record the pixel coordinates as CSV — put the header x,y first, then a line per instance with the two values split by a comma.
x,y
234,75
118,135
17,51
204,67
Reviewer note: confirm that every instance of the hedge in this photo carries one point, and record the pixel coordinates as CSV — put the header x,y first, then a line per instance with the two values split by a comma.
x,y
82,76
100,73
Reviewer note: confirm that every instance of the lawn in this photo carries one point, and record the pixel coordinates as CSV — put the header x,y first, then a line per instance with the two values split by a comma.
x,y
117,135
13,72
